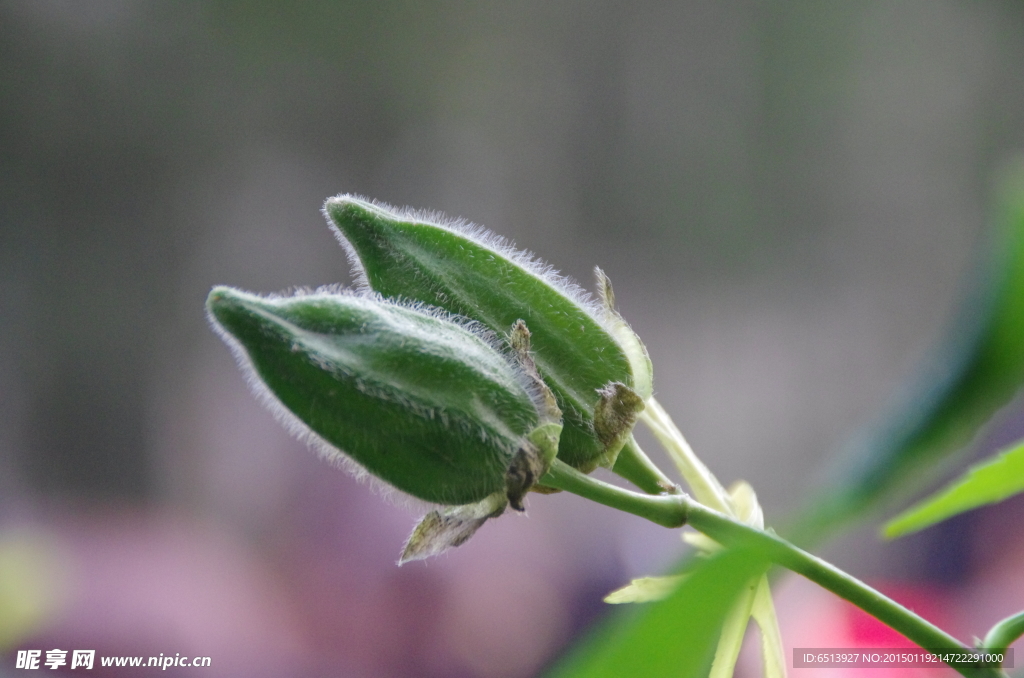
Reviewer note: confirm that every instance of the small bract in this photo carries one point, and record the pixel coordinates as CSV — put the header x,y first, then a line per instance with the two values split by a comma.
x,y
430,406
596,366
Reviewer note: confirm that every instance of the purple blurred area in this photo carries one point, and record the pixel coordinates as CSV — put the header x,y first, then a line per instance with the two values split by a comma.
x,y
786,195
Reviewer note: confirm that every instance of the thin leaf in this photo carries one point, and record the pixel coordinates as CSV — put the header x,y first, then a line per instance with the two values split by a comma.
x,y
645,590
994,480
676,637
731,639
773,653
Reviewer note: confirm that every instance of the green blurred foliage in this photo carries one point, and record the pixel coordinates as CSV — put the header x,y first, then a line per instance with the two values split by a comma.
x,y
674,638
976,370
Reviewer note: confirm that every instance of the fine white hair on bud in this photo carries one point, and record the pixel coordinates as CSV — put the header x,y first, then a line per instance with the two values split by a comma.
x,y
426,402
579,346
501,245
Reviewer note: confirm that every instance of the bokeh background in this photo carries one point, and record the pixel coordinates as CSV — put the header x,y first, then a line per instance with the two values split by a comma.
x,y
786,195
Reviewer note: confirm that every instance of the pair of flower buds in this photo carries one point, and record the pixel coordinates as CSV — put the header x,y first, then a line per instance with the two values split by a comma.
x,y
457,373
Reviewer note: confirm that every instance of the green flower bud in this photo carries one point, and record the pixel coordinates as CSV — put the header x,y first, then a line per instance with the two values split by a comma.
x,y
433,407
583,350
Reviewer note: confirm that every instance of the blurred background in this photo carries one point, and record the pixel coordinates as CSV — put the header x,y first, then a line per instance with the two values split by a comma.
x,y
786,195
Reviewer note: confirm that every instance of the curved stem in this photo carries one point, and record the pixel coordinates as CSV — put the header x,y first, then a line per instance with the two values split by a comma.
x,y
702,482
677,509
731,533
664,509
636,467
1004,633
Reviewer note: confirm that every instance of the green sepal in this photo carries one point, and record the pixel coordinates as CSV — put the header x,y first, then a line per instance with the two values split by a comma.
x,y
578,345
614,417
416,400
519,339
546,437
444,529
640,361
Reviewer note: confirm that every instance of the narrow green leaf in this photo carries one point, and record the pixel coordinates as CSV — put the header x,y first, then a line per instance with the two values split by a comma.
x,y
645,590
773,652
977,369
733,630
991,481
580,346
676,637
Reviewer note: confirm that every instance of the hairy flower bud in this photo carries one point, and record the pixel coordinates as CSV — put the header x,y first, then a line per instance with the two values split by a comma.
x,y
595,365
432,407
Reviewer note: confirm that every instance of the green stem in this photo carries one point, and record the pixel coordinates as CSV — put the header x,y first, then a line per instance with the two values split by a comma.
x,y
636,467
1004,633
677,509
666,510
702,482
730,533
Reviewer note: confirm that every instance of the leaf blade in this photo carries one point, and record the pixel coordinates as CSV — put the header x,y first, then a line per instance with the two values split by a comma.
x,y
991,481
645,590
